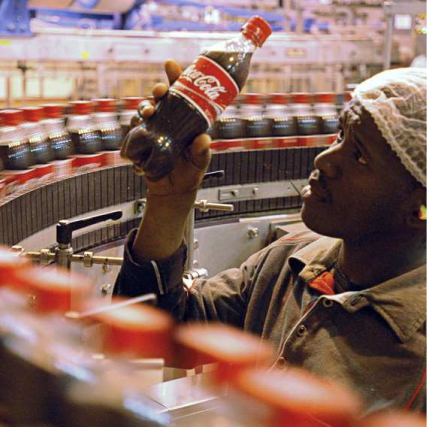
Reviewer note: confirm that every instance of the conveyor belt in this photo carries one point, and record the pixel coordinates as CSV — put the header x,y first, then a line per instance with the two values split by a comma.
x,y
29,213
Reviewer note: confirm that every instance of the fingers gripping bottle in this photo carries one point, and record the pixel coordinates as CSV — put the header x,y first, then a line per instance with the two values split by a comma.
x,y
195,100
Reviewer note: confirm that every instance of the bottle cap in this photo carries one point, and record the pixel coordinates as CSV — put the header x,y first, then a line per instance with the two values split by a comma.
x,y
105,105
55,291
253,98
348,96
258,30
11,117
81,107
10,265
279,98
325,98
132,102
53,111
302,98
33,114
231,348
136,331
299,398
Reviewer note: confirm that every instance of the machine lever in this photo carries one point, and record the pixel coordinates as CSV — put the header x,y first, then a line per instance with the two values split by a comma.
x,y
65,228
216,174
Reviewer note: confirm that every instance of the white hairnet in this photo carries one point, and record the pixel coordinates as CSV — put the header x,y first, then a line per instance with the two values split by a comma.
x,y
396,99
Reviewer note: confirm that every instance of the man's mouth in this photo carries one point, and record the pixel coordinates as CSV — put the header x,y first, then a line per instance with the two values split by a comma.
x,y
314,191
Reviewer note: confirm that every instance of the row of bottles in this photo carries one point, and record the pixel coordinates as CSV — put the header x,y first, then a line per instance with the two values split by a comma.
x,y
38,135
66,362
280,115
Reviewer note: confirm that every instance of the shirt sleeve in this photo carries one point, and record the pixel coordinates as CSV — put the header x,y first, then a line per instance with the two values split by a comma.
x,y
163,277
220,298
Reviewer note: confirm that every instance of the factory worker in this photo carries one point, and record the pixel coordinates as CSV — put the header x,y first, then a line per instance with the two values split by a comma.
x,y
346,301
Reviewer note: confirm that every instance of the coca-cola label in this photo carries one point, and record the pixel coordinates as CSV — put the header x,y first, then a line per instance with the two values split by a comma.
x,y
207,86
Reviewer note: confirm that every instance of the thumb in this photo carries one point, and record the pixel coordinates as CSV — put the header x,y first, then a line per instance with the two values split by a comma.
x,y
200,154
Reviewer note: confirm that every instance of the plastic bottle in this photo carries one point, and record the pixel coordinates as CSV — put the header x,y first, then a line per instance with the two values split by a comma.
x,y
252,112
130,105
36,135
105,120
325,109
291,398
59,138
282,122
128,348
229,126
31,387
306,119
84,135
15,151
196,99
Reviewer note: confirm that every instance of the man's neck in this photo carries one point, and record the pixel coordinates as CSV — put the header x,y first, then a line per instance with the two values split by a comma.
x,y
374,260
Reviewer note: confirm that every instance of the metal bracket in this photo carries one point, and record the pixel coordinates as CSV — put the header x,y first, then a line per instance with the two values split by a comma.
x,y
237,193
14,18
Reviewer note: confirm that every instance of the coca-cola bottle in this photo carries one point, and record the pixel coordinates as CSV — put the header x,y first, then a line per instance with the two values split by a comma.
x,y
37,137
105,119
59,138
130,104
195,100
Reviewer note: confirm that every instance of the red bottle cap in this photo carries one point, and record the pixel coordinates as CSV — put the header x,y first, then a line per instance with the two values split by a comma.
x,y
300,398
348,96
279,98
11,117
55,291
10,266
105,105
53,111
258,30
132,102
231,348
33,114
136,331
253,98
302,98
81,107
325,98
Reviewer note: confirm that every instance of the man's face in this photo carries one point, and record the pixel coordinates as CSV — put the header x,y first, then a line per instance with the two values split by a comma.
x,y
359,185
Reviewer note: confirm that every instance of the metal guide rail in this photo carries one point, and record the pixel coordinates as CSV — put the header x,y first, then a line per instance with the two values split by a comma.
x,y
69,45
35,210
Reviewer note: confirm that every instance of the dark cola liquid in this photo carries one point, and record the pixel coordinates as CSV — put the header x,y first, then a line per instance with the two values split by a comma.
x,y
111,138
283,126
161,139
308,124
237,64
41,149
86,142
16,156
61,145
329,123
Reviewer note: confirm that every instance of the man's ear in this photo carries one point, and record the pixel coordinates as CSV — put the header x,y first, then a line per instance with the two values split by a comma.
x,y
416,217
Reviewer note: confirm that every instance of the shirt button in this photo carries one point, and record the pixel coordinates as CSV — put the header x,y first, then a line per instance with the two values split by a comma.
x,y
327,303
301,330
281,362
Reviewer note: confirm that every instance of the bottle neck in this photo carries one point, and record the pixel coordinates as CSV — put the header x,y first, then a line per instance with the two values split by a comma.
x,y
248,42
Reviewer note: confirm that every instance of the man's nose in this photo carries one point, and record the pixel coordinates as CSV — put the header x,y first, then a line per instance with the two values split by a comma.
x,y
327,162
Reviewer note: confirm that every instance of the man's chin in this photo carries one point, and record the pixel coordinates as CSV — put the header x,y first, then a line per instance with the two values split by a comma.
x,y
320,224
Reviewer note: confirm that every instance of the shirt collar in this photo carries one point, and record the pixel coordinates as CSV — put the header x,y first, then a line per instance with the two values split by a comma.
x,y
400,301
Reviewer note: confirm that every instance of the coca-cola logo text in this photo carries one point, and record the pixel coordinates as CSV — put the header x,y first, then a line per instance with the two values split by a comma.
x,y
210,85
